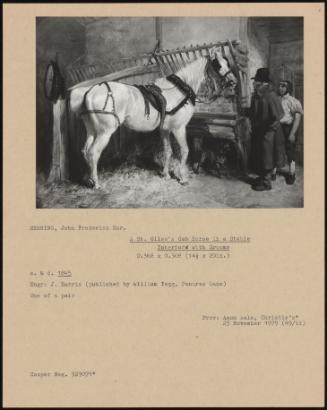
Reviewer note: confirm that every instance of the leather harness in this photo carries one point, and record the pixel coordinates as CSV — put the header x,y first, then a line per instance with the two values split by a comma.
x,y
103,111
185,89
152,94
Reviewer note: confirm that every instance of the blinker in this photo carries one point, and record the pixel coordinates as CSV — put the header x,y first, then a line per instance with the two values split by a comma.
x,y
216,65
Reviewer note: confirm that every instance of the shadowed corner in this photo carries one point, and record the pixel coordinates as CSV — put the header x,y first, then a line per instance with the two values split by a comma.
x,y
39,202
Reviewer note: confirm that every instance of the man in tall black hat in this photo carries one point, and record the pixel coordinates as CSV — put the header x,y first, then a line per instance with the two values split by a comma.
x,y
267,139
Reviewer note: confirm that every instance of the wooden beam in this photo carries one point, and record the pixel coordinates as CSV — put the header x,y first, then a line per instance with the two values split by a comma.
x,y
118,75
59,167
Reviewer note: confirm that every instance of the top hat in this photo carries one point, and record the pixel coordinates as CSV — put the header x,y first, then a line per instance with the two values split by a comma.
x,y
262,75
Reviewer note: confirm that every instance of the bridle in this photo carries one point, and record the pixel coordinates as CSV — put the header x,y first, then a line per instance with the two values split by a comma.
x,y
226,74
222,77
208,78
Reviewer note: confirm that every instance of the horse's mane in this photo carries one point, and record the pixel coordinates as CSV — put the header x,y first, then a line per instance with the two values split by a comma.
x,y
193,72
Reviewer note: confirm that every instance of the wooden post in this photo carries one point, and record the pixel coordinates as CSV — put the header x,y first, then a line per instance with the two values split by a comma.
x,y
158,23
59,167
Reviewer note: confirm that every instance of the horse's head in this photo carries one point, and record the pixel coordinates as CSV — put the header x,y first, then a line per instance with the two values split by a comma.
x,y
219,71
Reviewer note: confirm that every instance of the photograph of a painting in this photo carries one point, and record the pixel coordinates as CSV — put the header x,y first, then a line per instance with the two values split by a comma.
x,y
169,112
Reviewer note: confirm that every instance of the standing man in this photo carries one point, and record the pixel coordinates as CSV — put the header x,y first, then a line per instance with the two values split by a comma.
x,y
266,111
290,123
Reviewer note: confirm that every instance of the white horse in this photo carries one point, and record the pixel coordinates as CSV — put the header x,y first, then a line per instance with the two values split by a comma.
x,y
126,105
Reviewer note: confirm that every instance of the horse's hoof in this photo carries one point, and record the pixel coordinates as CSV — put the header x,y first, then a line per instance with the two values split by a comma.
x,y
89,182
165,176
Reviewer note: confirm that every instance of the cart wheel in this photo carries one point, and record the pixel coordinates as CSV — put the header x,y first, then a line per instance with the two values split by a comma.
x,y
53,82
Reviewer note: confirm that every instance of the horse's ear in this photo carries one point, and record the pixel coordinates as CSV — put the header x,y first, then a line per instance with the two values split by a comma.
x,y
213,52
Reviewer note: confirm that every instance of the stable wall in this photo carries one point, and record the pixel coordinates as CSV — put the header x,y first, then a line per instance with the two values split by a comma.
x,y
258,46
289,53
118,37
184,31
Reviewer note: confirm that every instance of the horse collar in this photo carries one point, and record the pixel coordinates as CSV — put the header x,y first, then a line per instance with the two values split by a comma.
x,y
183,87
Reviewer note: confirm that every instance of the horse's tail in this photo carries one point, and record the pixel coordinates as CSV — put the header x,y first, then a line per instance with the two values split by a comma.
x,y
75,102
